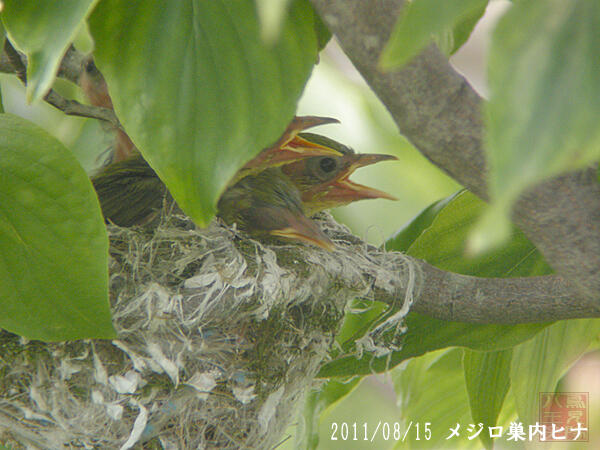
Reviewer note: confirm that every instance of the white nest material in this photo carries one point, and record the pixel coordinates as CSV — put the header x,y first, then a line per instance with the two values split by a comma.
x,y
220,337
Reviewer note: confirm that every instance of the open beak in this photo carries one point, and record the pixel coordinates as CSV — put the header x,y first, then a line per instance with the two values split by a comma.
x,y
348,191
290,147
342,190
301,228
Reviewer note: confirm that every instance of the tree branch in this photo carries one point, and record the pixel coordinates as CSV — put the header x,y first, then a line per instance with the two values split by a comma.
x,y
74,108
71,65
437,110
462,298
12,61
15,62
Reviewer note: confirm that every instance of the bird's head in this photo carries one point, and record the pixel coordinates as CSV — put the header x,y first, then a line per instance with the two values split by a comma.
x,y
290,147
324,181
268,204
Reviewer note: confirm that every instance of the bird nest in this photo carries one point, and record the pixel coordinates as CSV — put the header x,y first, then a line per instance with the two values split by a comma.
x,y
220,337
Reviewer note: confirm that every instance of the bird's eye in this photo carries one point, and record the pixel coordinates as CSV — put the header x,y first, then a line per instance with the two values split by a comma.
x,y
90,67
327,164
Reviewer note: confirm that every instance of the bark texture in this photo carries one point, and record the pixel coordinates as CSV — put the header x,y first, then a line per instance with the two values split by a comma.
x,y
439,112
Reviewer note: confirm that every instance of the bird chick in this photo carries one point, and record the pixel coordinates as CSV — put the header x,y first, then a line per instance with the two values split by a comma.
x,y
131,193
268,204
290,147
323,181
95,89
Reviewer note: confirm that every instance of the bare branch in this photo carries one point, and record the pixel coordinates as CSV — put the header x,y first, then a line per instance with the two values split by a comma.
x,y
71,65
5,65
462,298
74,108
455,297
69,69
13,62
437,110
17,64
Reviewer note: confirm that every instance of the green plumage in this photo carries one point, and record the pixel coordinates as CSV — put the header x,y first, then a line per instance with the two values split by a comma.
x,y
130,192
260,203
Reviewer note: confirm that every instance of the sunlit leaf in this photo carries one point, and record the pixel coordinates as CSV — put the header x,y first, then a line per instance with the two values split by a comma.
x,y
443,244
404,238
271,14
53,270
432,396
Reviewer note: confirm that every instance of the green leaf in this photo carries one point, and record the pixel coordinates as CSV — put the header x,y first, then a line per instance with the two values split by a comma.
x,y
545,97
196,87
322,32
426,334
408,234
2,38
43,33
441,242
539,364
424,21
317,401
487,377
360,316
463,29
432,390
53,270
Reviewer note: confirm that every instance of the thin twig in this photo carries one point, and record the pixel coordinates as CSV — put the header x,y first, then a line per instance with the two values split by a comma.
x,y
71,65
69,107
15,61
74,108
